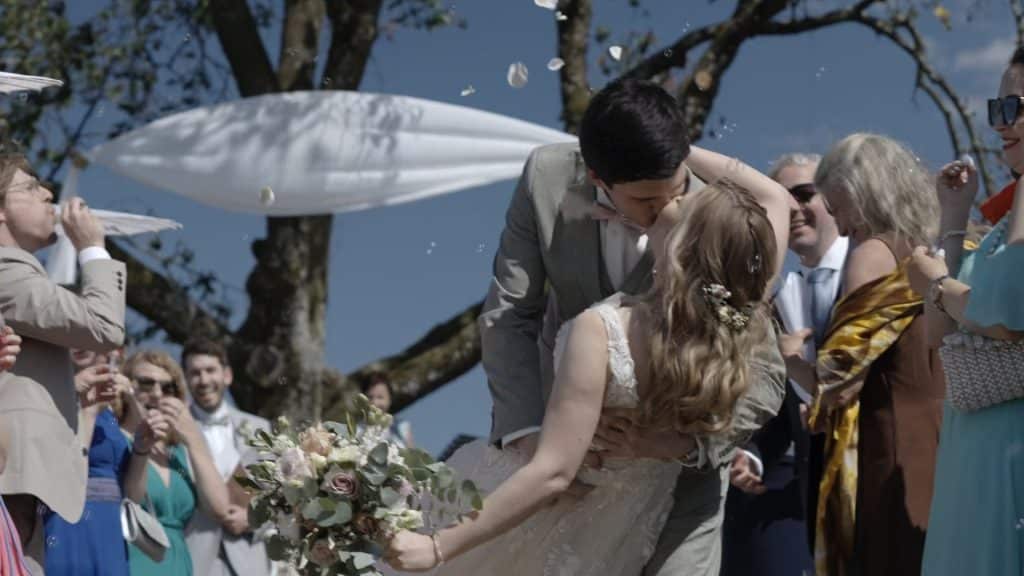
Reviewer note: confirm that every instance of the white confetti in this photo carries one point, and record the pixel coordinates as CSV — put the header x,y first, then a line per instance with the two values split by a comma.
x,y
615,52
548,4
518,75
967,160
555,64
560,16
266,196
468,91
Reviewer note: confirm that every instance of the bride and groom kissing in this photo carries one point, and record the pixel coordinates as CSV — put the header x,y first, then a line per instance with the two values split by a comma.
x,y
628,348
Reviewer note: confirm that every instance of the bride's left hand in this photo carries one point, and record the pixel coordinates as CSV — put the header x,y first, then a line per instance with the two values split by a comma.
x,y
410,552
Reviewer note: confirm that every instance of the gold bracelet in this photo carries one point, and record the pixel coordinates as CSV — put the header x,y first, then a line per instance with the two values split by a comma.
x,y
436,539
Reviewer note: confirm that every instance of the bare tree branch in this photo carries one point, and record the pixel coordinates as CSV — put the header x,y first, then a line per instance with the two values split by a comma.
x,y
572,49
1017,7
240,39
300,41
915,48
815,22
448,351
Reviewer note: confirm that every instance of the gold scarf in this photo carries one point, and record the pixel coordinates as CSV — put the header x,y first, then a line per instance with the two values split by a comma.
x,y
864,324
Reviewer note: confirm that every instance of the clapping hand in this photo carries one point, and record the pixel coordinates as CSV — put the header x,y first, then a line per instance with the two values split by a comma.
x,y
153,428
96,385
957,185
11,347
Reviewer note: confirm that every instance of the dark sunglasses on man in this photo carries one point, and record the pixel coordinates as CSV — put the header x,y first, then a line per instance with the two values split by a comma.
x,y
1003,111
803,193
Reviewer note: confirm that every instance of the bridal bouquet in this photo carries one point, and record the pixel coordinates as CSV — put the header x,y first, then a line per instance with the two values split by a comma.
x,y
331,491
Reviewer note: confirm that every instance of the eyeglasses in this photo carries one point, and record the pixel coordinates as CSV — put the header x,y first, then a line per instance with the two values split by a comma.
x,y
803,193
147,385
1003,111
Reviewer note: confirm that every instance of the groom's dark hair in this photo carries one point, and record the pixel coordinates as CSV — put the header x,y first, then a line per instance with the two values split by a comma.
x,y
633,130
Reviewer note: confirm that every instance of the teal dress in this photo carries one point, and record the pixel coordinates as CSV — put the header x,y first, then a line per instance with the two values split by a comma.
x,y
173,505
977,514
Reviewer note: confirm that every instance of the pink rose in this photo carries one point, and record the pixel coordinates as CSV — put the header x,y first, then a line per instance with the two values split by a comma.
x,y
316,440
322,553
340,483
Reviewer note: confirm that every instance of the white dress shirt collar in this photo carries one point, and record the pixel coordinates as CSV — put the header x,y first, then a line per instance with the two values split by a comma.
x,y
835,256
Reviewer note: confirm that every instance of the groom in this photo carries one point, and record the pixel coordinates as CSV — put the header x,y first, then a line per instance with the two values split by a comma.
x,y
573,237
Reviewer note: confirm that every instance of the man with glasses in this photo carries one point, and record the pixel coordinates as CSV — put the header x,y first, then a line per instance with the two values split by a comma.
x,y
47,461
771,505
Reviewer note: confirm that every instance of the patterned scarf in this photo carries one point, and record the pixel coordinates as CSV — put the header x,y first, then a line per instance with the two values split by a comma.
x,y
864,325
12,560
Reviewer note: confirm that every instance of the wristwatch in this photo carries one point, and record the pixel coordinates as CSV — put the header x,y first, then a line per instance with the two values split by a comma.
x,y
935,293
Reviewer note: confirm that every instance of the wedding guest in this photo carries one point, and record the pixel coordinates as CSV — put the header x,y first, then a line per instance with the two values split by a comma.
x,y
879,385
181,474
769,515
47,460
380,394
976,523
223,546
95,545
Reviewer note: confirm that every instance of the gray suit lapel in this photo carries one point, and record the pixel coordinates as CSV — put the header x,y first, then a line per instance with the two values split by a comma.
x,y
639,280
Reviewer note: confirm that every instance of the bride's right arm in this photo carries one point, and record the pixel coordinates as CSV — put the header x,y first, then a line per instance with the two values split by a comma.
x,y
570,420
711,166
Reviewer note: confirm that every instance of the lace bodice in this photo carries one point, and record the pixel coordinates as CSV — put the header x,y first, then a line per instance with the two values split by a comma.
x,y
622,387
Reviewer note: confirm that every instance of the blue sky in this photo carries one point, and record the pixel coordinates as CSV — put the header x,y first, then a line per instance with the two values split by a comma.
x,y
783,94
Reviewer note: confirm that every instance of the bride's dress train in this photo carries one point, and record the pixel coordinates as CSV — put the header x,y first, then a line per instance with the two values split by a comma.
x,y
612,531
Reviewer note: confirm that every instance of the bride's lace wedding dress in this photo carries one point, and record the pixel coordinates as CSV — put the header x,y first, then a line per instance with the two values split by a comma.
x,y
611,531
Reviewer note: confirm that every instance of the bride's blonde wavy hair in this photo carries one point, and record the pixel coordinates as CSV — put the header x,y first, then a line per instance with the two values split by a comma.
x,y
698,365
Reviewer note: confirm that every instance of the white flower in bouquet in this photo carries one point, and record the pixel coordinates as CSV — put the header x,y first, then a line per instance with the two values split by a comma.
x,y
293,467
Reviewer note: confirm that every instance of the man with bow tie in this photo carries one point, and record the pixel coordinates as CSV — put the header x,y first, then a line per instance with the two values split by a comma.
x,y
228,549
574,236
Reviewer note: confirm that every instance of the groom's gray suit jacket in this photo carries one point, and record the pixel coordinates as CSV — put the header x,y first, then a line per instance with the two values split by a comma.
x,y
551,243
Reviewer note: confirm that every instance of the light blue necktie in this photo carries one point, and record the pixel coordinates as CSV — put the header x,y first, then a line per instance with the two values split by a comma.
x,y
821,301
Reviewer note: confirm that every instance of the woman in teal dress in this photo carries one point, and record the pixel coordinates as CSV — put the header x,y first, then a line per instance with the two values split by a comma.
x,y
181,472
977,515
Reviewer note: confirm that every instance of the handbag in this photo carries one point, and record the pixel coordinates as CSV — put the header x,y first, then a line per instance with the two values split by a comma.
x,y
981,371
143,530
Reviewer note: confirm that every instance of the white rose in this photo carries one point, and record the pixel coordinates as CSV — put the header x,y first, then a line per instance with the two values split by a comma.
x,y
344,454
293,467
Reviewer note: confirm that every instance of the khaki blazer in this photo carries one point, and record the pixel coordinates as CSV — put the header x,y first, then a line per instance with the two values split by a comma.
x,y
52,319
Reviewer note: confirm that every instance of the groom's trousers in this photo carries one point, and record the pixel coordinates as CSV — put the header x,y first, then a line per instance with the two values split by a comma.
x,y
691,542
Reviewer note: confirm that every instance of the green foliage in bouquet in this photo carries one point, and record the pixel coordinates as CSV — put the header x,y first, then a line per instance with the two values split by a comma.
x,y
332,491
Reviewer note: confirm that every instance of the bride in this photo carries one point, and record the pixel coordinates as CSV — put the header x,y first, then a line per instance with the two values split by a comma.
x,y
677,356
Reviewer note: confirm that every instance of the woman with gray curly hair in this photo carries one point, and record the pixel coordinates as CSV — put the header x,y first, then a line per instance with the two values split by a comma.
x,y
880,388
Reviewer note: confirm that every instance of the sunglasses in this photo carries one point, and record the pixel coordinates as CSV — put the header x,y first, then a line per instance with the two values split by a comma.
x,y
1003,111
803,193
147,385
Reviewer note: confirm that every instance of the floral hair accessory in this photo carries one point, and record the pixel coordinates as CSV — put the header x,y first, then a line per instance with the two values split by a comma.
x,y
717,296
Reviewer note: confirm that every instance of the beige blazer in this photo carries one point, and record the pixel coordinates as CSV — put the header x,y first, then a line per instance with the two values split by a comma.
x,y
52,319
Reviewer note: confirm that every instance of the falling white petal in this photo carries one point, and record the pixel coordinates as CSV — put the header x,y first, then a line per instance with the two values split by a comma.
x,y
549,4
468,91
266,196
517,75
615,52
555,64
11,82
560,16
